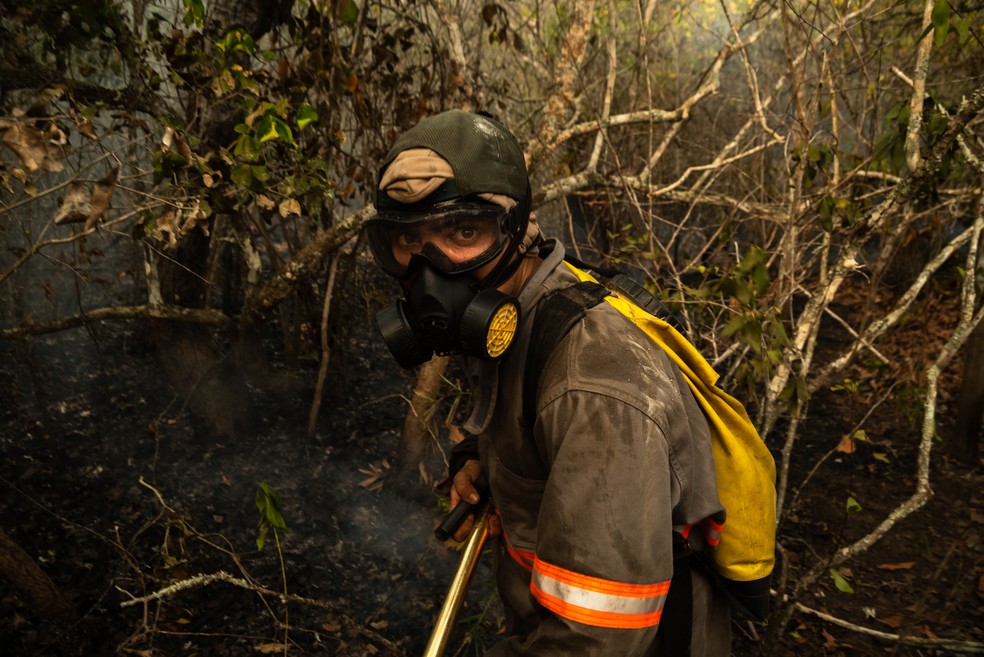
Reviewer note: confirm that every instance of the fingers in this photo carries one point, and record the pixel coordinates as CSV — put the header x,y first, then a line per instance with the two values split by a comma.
x,y
464,529
464,483
495,524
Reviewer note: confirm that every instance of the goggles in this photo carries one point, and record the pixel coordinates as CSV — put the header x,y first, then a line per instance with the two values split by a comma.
x,y
455,237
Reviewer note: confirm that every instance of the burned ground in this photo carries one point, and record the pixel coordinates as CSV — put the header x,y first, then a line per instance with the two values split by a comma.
x,y
109,488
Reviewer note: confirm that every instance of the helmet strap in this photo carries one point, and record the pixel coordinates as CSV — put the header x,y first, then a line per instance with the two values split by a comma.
x,y
507,265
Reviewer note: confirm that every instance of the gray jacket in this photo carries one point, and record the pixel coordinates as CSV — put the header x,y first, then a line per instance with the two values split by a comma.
x,y
620,454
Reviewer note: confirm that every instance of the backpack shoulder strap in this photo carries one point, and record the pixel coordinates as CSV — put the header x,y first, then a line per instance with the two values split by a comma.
x,y
555,317
645,300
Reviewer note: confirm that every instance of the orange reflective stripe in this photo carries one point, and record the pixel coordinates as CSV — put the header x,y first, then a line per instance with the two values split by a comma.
x,y
712,531
596,601
523,557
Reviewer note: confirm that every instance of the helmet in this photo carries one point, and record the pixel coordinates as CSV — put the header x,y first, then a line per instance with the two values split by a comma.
x,y
460,164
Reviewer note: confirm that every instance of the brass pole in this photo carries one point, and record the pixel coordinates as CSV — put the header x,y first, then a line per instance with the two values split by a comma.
x,y
459,586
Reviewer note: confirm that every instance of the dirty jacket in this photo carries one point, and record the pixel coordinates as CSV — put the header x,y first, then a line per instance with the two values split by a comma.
x,y
619,454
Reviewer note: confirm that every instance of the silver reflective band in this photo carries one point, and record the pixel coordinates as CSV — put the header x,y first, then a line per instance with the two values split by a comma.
x,y
603,602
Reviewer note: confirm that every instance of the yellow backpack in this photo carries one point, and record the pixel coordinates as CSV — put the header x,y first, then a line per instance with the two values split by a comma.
x,y
745,555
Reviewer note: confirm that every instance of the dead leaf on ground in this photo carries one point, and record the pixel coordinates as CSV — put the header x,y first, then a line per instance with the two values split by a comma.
x,y
269,648
846,445
894,622
829,641
905,565
376,472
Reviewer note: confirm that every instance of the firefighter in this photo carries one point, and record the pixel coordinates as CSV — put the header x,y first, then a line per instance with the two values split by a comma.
x,y
617,455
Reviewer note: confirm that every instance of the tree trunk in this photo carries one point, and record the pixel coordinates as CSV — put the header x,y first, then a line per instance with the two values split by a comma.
x,y
416,426
970,407
44,598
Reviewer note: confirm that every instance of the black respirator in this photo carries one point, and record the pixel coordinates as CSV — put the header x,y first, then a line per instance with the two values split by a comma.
x,y
448,314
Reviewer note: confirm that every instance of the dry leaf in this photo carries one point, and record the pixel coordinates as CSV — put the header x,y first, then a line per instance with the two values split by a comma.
x,y
846,445
906,565
76,206
829,641
331,626
265,202
374,481
83,125
102,194
37,149
172,141
894,622
168,223
379,625
288,207
269,648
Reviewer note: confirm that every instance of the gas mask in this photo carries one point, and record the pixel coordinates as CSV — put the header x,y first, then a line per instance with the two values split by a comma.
x,y
446,310
448,314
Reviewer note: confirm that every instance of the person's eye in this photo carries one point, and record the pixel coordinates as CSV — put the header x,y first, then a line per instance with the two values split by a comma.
x,y
406,239
467,232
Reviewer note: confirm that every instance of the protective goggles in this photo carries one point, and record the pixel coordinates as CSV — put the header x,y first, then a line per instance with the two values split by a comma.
x,y
455,237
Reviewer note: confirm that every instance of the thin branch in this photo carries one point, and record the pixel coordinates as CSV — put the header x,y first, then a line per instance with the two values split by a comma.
x,y
955,645
205,316
325,351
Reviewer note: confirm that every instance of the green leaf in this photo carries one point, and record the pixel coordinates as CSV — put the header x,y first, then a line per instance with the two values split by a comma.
x,y
881,456
242,175
734,326
841,583
853,506
260,172
941,20
266,131
194,12
305,115
349,13
269,505
247,149
273,128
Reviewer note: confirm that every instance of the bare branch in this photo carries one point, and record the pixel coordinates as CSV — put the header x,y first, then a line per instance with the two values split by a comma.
x,y
189,315
912,155
954,645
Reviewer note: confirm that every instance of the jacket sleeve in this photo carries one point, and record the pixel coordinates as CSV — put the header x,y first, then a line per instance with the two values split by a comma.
x,y
603,558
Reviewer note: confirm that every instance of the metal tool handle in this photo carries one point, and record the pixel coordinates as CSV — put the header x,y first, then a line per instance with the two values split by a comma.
x,y
459,585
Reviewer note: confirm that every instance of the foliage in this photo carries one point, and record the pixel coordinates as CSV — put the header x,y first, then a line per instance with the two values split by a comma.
x,y
271,509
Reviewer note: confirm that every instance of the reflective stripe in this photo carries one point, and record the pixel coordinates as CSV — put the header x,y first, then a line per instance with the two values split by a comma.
x,y
595,601
712,531
523,557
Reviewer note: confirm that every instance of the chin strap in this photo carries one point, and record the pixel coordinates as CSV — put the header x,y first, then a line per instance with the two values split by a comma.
x,y
514,252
